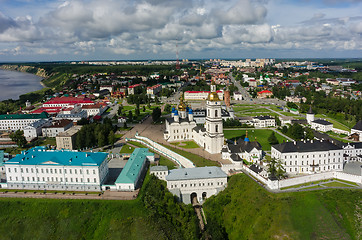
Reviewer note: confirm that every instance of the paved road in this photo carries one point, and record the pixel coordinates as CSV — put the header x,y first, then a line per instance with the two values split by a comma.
x,y
241,89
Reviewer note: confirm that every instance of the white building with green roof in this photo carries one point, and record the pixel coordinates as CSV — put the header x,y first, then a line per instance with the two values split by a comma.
x,y
15,122
42,169
130,177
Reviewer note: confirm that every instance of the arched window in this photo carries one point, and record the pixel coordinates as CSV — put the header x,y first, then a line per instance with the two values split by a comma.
x,y
208,112
216,128
215,113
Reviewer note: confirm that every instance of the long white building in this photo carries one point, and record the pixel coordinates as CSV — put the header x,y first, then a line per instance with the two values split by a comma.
x,y
42,169
19,121
309,157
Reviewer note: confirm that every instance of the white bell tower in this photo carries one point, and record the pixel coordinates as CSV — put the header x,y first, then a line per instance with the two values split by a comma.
x,y
214,138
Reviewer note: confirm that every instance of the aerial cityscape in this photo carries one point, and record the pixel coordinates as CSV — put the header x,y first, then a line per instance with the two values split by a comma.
x,y
152,119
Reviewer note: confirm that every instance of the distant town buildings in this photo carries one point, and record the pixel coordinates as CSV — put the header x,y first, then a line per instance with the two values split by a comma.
x,y
265,94
201,95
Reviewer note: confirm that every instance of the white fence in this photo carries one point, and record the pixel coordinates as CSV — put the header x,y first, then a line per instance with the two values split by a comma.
x,y
180,160
296,180
340,131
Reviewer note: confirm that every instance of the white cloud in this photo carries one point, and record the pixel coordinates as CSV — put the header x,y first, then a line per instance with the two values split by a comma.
x,y
141,27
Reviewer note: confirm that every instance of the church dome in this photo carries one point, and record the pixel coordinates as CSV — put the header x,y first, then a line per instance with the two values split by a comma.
x,y
213,97
182,106
246,139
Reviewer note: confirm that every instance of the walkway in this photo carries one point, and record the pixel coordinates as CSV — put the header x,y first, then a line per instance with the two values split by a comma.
x,y
107,195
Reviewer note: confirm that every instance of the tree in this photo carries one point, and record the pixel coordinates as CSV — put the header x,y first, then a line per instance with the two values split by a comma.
x,y
309,134
272,139
137,112
101,139
111,138
83,121
167,108
119,111
130,116
156,114
276,169
19,138
277,121
157,101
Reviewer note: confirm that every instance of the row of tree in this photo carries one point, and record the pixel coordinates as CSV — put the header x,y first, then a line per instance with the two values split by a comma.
x,y
96,135
297,132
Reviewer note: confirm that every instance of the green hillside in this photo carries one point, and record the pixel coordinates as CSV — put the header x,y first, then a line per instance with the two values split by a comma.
x,y
154,215
245,210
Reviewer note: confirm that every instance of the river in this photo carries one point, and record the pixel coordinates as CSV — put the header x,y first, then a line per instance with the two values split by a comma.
x,y
13,84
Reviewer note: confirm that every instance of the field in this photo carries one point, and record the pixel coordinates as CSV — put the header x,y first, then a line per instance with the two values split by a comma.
x,y
245,210
260,134
255,110
99,219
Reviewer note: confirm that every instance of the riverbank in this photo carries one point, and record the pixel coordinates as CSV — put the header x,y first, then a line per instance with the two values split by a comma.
x,y
25,69
15,83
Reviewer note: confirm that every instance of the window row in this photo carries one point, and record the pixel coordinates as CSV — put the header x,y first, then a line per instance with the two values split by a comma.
x,y
52,179
51,170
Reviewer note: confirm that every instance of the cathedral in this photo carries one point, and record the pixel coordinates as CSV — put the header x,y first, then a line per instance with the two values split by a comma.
x,y
181,125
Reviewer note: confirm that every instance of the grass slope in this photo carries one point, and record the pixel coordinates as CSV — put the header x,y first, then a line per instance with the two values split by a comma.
x,y
245,210
154,215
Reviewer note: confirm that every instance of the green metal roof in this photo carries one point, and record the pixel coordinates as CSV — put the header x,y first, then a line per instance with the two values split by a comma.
x,y
24,116
40,156
134,165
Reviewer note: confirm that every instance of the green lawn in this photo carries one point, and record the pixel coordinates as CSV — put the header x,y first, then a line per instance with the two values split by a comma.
x,y
196,159
336,184
245,210
127,149
188,144
351,183
260,134
313,187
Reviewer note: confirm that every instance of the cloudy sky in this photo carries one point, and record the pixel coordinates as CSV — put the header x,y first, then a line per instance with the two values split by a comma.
x,y
53,30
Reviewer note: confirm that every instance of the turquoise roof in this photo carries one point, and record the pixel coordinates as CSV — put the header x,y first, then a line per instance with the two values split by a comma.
x,y
24,116
1,157
134,165
41,156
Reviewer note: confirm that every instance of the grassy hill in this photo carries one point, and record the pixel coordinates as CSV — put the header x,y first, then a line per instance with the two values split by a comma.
x,y
245,210
154,215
